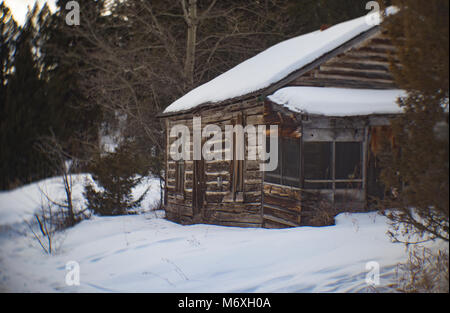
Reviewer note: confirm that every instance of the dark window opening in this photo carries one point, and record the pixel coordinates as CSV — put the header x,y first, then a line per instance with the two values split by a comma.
x,y
318,160
238,176
333,165
179,176
326,165
290,161
348,160
274,176
288,170
237,166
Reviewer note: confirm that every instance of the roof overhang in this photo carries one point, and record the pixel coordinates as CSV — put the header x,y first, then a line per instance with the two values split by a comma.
x,y
338,102
283,82
263,92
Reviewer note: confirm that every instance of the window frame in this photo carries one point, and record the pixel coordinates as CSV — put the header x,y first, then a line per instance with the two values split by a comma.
x,y
280,177
237,166
180,171
333,181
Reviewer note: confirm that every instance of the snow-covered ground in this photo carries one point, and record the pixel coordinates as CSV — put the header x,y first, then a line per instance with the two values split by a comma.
x,y
146,253
20,204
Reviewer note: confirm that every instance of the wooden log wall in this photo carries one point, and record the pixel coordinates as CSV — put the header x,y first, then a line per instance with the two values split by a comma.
x,y
363,66
285,206
282,204
220,207
263,204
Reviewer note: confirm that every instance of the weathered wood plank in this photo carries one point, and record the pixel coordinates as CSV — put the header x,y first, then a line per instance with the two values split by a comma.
x,y
236,217
289,205
237,224
278,212
282,191
279,221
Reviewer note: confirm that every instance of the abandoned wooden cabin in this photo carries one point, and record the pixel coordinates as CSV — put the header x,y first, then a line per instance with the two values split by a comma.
x,y
332,96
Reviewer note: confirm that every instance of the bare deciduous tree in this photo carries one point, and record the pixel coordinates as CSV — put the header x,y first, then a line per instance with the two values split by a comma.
x,y
63,164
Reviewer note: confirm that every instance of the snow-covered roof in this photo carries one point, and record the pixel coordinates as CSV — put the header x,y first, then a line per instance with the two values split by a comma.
x,y
273,64
338,101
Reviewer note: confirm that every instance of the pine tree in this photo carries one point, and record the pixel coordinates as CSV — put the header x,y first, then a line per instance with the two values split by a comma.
x,y
417,168
75,122
115,175
23,112
8,32
41,98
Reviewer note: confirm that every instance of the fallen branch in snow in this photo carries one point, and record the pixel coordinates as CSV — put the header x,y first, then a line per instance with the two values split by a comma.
x,y
177,269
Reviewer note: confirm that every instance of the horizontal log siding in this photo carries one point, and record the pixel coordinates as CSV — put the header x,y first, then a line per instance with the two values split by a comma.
x,y
219,208
281,206
363,66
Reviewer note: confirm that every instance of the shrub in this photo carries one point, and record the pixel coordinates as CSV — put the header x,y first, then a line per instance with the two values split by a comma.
x,y
425,272
415,171
115,175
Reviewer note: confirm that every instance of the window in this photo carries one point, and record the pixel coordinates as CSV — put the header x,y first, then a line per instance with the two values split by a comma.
x,y
288,171
238,175
333,165
237,165
179,177
317,165
348,165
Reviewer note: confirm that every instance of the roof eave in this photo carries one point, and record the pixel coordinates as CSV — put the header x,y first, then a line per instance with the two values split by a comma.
x,y
283,82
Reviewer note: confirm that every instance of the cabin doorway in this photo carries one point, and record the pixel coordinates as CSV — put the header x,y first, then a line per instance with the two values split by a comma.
x,y
199,189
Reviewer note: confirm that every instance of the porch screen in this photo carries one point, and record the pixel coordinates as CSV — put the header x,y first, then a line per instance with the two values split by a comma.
x,y
348,165
318,165
333,165
288,171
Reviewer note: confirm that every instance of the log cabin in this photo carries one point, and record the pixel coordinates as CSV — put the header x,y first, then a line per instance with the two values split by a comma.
x,y
331,95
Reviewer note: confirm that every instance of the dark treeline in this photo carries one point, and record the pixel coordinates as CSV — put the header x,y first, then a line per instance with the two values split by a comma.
x,y
39,100
109,76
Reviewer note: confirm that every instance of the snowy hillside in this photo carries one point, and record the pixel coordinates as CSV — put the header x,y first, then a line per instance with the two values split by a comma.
x,y
20,204
145,253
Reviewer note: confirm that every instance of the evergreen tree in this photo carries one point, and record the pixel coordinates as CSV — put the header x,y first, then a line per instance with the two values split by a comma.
x,y
8,32
417,168
23,112
41,98
115,175
75,121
